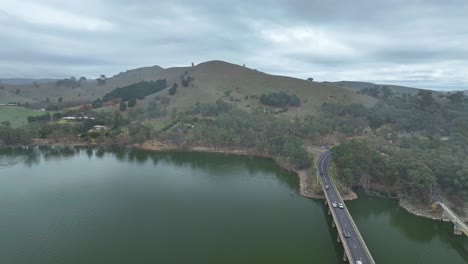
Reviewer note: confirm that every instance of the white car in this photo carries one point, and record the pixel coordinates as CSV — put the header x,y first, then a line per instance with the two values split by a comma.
x,y
340,205
346,234
334,204
358,262
327,187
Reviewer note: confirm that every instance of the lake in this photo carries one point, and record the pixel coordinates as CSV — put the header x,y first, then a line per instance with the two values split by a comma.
x,y
78,205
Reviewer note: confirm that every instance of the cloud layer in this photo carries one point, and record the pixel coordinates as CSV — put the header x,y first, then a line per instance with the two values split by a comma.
x,y
422,43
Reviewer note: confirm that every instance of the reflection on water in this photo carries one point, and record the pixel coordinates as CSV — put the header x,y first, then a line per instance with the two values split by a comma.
x,y
387,228
79,205
147,207
32,156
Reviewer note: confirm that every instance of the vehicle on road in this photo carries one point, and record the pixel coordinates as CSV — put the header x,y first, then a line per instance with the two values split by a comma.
x,y
346,234
340,205
334,204
358,262
327,187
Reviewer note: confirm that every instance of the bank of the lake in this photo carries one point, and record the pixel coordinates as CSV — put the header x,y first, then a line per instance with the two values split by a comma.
x,y
309,186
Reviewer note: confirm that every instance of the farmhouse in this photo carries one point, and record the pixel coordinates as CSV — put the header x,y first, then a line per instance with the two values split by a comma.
x,y
75,118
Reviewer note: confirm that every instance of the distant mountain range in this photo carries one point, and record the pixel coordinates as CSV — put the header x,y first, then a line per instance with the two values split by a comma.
x,y
16,81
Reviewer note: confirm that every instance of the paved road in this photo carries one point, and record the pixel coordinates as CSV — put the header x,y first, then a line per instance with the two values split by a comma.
x,y
356,247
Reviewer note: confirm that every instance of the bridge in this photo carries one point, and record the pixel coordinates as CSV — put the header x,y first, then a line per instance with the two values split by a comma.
x,y
459,227
355,249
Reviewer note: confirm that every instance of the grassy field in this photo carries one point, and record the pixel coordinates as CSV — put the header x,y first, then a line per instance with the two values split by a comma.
x,y
211,81
357,86
16,115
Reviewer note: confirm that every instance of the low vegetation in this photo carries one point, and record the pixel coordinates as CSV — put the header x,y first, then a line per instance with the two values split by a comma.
x,y
280,99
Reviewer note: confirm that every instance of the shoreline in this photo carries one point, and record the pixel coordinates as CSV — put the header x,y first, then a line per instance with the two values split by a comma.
x,y
307,186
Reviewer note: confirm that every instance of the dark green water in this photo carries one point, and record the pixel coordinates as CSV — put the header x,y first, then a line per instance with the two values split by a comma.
x,y
72,205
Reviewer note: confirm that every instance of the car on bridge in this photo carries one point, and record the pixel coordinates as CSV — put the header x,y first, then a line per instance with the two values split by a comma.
x,y
327,187
358,262
334,204
346,234
340,205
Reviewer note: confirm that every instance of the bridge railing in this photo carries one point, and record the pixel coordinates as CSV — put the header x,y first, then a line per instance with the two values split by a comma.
x,y
454,218
351,220
335,219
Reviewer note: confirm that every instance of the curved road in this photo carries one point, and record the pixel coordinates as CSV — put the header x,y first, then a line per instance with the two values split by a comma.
x,y
344,222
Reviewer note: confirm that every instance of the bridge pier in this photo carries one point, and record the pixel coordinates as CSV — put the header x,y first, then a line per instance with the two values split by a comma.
x,y
338,239
328,211
345,257
457,230
333,223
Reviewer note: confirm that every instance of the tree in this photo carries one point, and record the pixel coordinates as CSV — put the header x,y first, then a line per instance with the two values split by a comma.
x,y
375,121
348,178
118,121
173,89
101,80
6,124
456,97
97,103
132,102
310,79
137,90
122,106
280,99
426,100
387,92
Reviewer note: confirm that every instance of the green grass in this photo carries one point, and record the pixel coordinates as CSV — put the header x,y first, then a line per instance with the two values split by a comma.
x,y
211,80
159,124
214,78
17,115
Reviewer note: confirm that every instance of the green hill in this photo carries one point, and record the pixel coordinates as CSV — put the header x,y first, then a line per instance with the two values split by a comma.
x,y
357,86
211,80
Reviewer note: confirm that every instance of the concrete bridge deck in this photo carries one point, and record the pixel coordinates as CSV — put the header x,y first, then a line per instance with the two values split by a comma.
x,y
460,226
354,246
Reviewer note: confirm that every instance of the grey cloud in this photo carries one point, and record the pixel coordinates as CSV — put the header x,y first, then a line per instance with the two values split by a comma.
x,y
418,42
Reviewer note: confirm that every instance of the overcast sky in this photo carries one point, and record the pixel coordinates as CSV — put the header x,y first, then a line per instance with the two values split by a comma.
x,y
409,42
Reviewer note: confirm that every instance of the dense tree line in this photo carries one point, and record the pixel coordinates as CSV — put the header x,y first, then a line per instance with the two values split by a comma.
x,y
420,148
136,91
280,99
12,136
264,133
71,82
40,118
210,109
